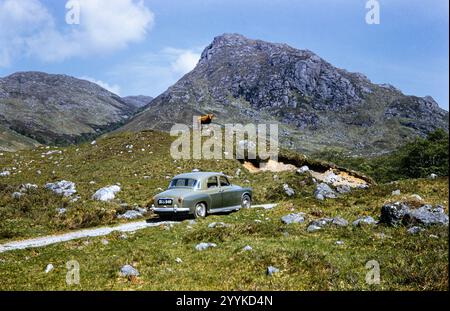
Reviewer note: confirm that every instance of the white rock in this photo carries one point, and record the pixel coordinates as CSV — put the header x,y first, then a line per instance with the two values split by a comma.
x,y
178,260
106,194
247,248
17,195
303,169
63,187
5,173
49,268
203,246
432,176
396,192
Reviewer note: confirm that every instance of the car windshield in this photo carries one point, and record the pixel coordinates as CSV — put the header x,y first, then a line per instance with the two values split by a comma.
x,y
183,182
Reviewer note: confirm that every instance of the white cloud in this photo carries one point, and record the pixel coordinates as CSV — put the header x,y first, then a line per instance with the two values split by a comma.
x,y
152,73
184,60
27,27
112,88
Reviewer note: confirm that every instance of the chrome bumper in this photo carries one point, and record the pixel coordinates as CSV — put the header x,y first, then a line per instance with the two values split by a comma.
x,y
169,209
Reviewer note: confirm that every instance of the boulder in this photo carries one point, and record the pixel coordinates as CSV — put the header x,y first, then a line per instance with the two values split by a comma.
x,y
324,191
106,194
392,213
293,218
128,271
203,246
400,213
426,215
368,220
63,187
433,176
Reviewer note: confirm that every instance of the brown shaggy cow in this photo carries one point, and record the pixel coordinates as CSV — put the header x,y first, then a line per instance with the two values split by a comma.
x,y
206,119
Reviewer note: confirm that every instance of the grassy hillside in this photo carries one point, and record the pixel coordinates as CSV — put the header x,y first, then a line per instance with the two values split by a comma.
x,y
11,141
306,260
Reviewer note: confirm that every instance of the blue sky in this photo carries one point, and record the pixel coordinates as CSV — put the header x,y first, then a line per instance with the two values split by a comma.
x,y
142,47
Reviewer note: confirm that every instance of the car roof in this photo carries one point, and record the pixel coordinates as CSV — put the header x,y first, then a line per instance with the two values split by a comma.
x,y
198,175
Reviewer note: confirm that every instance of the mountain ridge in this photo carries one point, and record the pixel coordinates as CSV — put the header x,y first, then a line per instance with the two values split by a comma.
x,y
316,104
59,109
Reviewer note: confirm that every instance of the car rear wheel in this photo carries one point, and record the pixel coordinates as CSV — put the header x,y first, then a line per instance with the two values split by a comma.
x,y
200,210
246,201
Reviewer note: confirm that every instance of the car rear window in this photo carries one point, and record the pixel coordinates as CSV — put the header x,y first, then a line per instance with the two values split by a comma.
x,y
183,182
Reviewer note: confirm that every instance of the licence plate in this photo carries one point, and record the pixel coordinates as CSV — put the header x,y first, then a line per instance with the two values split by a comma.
x,y
165,202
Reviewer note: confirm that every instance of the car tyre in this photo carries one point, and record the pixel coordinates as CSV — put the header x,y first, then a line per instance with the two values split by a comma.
x,y
200,210
246,201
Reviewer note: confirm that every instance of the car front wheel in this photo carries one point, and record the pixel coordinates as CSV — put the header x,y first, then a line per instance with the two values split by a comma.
x,y
200,210
246,201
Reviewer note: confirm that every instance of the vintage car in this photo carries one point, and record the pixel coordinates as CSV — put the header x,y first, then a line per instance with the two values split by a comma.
x,y
199,194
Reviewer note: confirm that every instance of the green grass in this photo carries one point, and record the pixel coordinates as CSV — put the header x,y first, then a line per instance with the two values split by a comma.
x,y
307,261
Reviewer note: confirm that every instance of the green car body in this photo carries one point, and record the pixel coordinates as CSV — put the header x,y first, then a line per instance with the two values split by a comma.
x,y
201,193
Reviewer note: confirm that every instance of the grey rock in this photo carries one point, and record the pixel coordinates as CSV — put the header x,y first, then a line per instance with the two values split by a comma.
x,y
293,218
63,187
303,169
247,248
324,191
271,270
393,213
415,230
433,176
396,192
61,210
339,242
288,190
426,215
128,271
218,225
368,220
130,215
17,195
343,189
5,174
28,187
203,246
313,228
323,222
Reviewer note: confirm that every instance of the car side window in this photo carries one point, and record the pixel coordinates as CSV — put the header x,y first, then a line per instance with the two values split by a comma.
x,y
224,181
212,182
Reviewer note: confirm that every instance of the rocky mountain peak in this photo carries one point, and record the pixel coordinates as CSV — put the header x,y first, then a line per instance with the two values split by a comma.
x,y
316,104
